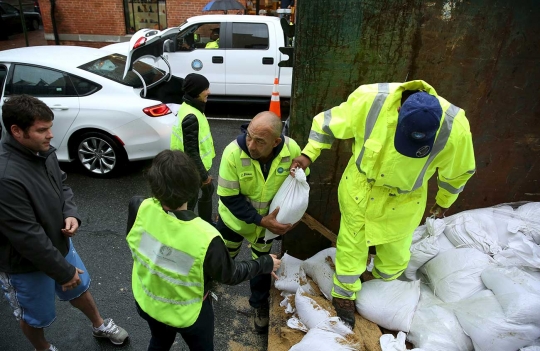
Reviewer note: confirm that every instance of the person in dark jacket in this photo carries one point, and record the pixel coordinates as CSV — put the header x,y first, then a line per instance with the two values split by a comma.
x,y
176,256
192,135
37,220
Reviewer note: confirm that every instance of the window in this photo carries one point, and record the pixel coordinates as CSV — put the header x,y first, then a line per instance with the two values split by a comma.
x,y
40,82
250,36
8,9
142,14
199,36
84,87
3,73
112,67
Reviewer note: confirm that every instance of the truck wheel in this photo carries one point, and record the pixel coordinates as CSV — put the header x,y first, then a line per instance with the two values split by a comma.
x,y
100,155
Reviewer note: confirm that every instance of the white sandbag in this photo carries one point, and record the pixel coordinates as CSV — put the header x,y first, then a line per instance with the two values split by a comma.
x,y
435,327
419,233
425,248
530,348
455,274
288,274
493,220
322,340
518,293
465,230
390,304
292,198
309,311
483,319
321,267
521,251
286,302
445,244
389,343
529,214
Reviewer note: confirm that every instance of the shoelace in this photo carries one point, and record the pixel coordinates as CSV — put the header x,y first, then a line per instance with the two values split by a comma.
x,y
111,328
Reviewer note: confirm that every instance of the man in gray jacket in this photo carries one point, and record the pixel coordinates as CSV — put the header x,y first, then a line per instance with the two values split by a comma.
x,y
37,220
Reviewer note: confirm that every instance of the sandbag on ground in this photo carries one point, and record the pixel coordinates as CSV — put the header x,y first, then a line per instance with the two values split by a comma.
x,y
288,274
521,251
435,327
425,248
465,231
322,340
529,214
483,319
389,304
518,293
455,274
320,267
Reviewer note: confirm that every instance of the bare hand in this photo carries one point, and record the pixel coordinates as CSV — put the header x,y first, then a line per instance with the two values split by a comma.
x,y
277,263
269,222
72,224
301,161
438,211
74,282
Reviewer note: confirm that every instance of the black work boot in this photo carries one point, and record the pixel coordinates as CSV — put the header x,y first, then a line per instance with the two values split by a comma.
x,y
345,310
261,318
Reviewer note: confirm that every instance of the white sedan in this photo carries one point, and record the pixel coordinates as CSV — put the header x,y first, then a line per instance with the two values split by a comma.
x,y
101,119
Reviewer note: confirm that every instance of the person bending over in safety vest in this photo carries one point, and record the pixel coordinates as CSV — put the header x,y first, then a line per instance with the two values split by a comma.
x,y
176,255
214,36
403,133
191,134
252,169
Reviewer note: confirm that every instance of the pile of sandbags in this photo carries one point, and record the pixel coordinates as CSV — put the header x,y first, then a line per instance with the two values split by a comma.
x,y
473,283
484,293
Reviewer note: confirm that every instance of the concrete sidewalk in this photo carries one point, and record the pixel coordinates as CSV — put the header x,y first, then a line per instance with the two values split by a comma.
x,y
35,38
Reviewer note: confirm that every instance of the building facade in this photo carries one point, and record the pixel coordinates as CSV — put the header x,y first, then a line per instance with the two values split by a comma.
x,y
97,23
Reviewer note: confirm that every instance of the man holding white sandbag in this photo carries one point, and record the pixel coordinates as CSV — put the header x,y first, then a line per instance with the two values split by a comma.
x,y
253,168
403,133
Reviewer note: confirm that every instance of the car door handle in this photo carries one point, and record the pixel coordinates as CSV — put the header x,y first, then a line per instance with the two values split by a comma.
x,y
59,107
268,60
217,59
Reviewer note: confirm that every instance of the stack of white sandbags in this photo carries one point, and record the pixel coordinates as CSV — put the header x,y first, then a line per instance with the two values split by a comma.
x,y
484,294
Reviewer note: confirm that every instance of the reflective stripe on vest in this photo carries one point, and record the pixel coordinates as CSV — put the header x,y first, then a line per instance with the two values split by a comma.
x,y
438,145
373,114
348,279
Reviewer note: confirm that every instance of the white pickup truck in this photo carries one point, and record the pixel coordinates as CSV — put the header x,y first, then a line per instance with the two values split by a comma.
x,y
242,63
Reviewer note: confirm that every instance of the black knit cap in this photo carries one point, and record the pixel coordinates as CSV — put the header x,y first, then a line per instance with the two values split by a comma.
x,y
194,84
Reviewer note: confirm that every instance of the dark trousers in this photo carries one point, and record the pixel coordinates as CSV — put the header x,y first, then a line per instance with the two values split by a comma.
x,y
259,285
205,203
198,337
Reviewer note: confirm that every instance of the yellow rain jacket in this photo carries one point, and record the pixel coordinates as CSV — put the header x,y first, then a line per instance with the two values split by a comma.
x,y
389,188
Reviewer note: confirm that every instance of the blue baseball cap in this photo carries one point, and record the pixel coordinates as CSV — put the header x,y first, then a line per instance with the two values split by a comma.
x,y
418,121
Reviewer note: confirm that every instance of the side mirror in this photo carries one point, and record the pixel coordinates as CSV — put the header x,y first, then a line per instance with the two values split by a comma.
x,y
169,45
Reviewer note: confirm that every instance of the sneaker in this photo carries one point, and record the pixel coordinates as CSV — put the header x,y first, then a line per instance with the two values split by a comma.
x,y
261,318
114,333
52,348
345,310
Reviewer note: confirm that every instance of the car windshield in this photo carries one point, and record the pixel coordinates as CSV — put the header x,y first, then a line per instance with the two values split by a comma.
x,y
112,67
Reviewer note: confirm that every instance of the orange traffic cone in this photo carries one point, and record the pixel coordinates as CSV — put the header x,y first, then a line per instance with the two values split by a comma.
x,y
275,105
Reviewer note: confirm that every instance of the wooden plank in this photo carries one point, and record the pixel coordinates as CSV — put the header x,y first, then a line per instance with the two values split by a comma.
x,y
314,224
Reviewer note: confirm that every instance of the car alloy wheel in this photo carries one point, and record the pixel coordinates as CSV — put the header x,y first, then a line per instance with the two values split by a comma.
x,y
99,154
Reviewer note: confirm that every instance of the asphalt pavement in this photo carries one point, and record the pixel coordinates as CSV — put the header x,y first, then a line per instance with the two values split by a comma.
x,y
100,242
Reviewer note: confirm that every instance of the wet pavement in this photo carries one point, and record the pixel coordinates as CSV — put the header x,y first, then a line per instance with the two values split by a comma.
x,y
35,38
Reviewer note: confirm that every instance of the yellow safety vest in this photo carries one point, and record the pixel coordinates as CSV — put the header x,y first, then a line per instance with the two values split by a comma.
x,y
240,174
212,44
206,143
168,257
388,188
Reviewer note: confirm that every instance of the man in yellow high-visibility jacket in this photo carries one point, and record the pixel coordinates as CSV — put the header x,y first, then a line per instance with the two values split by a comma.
x,y
253,168
403,133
